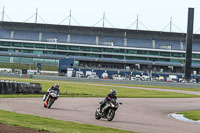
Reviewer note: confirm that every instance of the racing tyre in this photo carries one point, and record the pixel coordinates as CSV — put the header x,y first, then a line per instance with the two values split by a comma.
x,y
97,116
51,101
110,115
45,105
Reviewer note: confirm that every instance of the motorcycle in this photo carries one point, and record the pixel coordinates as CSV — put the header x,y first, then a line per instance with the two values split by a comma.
x,y
50,99
108,111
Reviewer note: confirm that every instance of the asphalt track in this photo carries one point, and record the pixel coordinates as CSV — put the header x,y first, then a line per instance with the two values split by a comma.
x,y
146,115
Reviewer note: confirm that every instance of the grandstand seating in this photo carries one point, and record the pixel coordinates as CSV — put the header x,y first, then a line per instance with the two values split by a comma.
x,y
111,60
168,44
111,41
184,45
5,34
196,46
94,47
195,65
85,39
51,36
167,63
141,43
91,39
26,35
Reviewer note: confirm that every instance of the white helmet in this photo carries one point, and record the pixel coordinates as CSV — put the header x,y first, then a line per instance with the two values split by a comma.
x,y
57,85
113,92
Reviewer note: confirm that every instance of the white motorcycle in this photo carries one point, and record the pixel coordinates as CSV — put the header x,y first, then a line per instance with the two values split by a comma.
x,y
51,98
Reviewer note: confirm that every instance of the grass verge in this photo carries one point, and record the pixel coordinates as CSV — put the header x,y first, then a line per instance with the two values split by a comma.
x,y
28,66
77,89
128,85
192,114
52,125
161,87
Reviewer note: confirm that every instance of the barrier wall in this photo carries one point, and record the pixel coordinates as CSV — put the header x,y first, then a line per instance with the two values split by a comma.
x,y
13,87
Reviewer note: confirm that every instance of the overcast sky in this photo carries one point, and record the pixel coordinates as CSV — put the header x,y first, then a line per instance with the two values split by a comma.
x,y
154,14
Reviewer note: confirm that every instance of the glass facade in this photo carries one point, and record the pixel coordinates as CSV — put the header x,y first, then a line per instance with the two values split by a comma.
x,y
94,51
24,60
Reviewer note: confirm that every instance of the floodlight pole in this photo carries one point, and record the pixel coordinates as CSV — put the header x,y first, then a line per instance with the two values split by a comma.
x,y
189,40
36,14
2,19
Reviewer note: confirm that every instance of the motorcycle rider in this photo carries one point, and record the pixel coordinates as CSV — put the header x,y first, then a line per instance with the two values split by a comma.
x,y
55,87
110,96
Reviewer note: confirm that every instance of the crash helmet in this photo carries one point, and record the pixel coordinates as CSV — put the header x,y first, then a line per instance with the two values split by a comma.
x,y
113,92
57,85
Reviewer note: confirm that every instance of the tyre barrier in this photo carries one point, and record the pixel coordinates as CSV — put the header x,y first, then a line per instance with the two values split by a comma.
x,y
13,87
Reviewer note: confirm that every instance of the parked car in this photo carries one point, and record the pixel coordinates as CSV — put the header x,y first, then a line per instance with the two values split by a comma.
x,y
145,78
93,77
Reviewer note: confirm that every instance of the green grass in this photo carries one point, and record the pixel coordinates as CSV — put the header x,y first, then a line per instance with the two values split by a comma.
x,y
161,87
74,89
144,86
193,114
27,66
51,125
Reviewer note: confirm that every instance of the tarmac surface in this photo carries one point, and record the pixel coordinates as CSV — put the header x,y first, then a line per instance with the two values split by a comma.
x,y
146,115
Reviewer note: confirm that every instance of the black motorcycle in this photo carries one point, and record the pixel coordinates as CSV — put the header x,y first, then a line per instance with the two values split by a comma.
x,y
108,111
50,99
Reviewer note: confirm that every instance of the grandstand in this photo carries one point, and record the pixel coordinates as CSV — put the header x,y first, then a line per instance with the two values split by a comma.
x,y
95,47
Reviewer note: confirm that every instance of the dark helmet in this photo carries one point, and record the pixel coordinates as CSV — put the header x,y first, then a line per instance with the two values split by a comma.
x,y
57,85
113,92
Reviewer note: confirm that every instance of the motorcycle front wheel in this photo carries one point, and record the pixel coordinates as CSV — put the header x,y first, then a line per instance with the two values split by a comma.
x,y
97,116
45,105
110,115
51,101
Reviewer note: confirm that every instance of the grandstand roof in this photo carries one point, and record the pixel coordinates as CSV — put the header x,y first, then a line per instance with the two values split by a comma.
x,y
94,30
